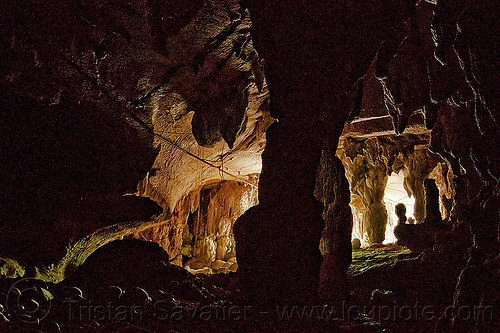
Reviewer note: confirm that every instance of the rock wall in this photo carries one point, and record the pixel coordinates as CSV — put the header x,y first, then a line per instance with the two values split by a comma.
x,y
312,68
68,72
79,79
200,235
101,94
211,228
212,114
462,108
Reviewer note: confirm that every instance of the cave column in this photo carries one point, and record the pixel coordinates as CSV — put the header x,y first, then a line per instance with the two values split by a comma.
x,y
277,241
367,172
375,216
417,167
332,188
310,79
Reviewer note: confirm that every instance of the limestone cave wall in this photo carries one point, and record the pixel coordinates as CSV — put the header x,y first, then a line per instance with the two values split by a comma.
x,y
101,99
200,236
455,87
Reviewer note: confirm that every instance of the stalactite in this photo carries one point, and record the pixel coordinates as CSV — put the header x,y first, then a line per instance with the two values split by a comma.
x,y
443,176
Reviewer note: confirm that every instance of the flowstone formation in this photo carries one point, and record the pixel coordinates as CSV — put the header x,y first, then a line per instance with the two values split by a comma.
x,y
368,164
332,189
417,167
202,240
211,116
367,174
443,175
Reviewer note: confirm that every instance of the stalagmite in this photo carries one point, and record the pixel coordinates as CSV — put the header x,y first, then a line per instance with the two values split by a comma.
x,y
332,189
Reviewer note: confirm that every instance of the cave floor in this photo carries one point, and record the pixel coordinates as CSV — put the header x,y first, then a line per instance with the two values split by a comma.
x,y
366,259
114,291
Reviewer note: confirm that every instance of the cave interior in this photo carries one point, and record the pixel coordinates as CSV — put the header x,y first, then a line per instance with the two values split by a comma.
x,y
245,158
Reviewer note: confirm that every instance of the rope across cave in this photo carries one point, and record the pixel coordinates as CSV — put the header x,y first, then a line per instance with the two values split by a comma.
x,y
135,118
173,144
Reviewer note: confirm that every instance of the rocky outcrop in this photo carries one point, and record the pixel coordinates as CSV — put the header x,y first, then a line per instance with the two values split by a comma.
x,y
210,117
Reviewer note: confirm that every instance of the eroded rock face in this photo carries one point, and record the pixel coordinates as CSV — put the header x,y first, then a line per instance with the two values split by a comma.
x,y
211,116
212,239
200,237
312,68
73,71
443,176
417,167
461,107
368,174
68,157
84,88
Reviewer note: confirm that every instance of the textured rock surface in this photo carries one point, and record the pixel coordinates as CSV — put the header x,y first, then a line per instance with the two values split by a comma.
x,y
72,97
332,189
313,83
201,236
417,167
443,176
367,173
213,105
461,107
68,156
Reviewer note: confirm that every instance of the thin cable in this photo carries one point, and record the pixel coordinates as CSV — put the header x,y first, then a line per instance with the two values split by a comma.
x,y
173,144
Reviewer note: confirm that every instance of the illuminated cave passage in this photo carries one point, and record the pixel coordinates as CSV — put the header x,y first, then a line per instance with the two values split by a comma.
x,y
385,171
147,140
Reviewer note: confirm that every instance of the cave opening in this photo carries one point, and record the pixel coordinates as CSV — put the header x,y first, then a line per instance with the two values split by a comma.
x,y
395,193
